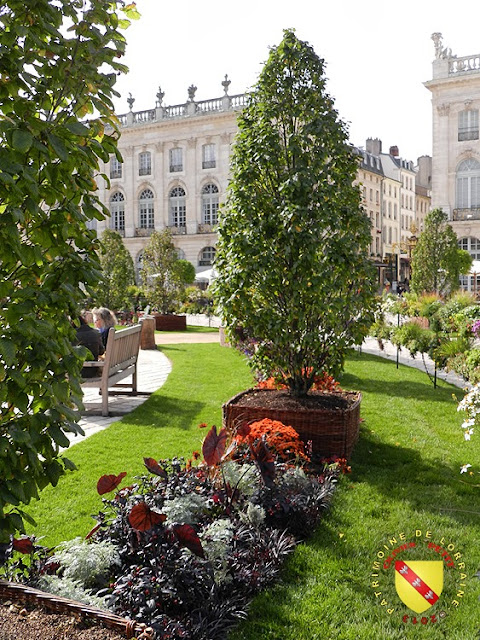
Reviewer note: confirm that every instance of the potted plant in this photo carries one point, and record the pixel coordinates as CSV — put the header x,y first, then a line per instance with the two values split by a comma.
x,y
293,250
165,277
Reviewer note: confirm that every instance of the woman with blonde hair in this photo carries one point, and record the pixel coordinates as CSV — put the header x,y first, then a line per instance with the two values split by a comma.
x,y
103,320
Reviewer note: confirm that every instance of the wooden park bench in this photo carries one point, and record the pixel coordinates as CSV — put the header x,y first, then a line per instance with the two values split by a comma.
x,y
120,361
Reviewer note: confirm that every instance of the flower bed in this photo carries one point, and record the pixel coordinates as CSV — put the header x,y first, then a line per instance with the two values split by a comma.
x,y
186,546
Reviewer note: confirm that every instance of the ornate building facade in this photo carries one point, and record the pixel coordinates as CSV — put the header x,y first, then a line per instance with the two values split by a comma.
x,y
174,174
455,88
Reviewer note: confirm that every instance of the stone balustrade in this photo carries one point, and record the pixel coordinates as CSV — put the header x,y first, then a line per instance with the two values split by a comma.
x,y
465,64
225,103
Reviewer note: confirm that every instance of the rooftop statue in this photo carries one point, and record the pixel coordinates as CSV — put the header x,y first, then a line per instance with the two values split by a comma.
x,y
440,52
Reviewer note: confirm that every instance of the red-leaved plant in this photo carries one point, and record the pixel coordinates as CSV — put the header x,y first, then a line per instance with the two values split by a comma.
x,y
170,575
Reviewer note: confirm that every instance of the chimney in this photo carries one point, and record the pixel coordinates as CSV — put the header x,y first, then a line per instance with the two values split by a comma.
x,y
394,151
374,146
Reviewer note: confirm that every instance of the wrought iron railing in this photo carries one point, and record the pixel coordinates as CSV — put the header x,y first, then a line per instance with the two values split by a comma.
x,y
142,232
177,230
205,228
466,214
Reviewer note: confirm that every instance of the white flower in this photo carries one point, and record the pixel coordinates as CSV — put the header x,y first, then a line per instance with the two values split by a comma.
x,y
465,468
468,434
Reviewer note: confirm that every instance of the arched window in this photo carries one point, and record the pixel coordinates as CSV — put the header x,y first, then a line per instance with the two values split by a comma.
x,y
147,216
177,207
209,204
468,184
117,211
181,254
472,245
206,257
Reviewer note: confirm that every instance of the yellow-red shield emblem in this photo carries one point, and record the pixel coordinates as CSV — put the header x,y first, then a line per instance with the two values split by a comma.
x,y
419,583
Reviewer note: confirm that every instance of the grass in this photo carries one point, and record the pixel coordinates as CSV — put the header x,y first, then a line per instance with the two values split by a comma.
x,y
405,478
193,329
166,425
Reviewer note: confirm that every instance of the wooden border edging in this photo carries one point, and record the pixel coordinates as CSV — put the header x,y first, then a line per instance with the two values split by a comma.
x,y
23,593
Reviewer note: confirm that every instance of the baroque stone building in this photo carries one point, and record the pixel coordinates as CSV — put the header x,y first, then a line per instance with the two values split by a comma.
x,y
175,173
455,88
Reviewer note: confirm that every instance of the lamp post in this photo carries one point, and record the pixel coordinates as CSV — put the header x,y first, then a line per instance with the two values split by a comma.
x,y
412,243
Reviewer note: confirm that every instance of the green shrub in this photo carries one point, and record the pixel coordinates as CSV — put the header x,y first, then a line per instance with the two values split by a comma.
x,y
466,365
411,336
450,348
197,301
429,304
57,121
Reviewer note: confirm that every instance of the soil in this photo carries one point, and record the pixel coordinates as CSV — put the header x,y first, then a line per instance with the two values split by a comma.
x,y
18,622
282,400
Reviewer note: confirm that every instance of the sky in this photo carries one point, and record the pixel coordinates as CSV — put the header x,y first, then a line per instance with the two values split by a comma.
x,y
377,54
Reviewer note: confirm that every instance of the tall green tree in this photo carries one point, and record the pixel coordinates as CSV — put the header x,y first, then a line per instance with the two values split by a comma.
x,y
164,274
58,66
437,261
118,272
292,255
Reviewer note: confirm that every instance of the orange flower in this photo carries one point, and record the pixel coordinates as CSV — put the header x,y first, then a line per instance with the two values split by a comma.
x,y
282,440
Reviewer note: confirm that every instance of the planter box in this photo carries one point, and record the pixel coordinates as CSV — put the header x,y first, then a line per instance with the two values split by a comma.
x,y
332,431
170,322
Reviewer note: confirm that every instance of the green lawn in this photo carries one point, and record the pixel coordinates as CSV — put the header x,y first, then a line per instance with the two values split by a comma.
x,y
193,329
405,477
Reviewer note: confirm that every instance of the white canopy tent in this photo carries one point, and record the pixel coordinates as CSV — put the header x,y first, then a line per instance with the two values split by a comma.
x,y
208,275
475,268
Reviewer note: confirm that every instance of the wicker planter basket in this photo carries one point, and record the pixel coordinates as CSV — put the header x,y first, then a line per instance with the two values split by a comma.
x,y
332,431
170,322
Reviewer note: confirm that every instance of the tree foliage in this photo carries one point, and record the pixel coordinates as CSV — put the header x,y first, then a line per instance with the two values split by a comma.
x,y
437,262
164,275
118,272
292,255
58,66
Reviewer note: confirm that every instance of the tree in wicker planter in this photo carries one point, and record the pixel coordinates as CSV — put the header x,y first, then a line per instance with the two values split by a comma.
x,y
165,277
292,255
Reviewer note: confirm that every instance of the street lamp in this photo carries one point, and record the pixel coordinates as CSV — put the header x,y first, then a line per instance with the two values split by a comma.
x,y
412,243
